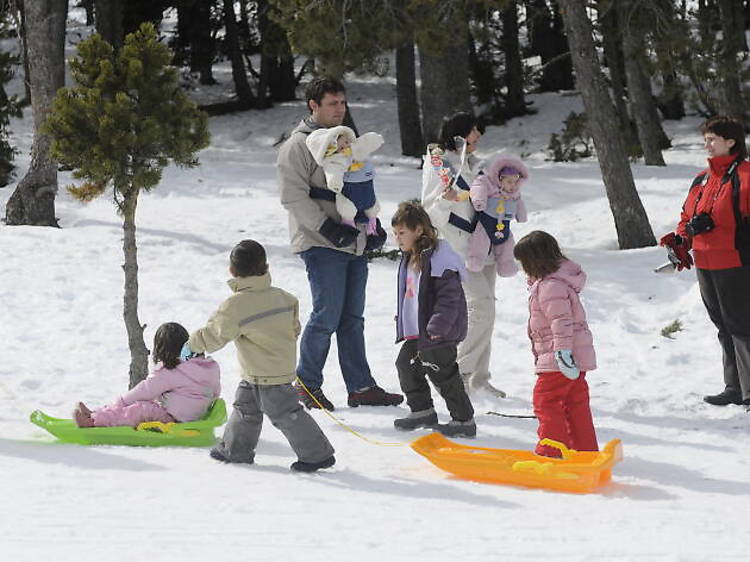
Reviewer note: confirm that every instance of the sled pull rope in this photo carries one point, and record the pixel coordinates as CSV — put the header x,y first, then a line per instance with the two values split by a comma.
x,y
348,428
502,415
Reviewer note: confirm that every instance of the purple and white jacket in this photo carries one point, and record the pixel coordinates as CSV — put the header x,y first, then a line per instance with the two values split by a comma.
x,y
442,304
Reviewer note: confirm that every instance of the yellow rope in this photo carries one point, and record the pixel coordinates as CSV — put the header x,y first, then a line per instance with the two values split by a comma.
x,y
349,429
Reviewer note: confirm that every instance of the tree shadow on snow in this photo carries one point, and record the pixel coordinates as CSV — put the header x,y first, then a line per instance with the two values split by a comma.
x,y
413,488
638,492
675,475
209,247
73,455
643,439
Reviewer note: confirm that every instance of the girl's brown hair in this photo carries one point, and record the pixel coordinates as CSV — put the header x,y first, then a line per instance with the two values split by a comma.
x,y
539,254
412,215
168,341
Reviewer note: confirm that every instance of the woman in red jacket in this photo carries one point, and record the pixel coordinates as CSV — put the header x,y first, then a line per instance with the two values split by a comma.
x,y
715,223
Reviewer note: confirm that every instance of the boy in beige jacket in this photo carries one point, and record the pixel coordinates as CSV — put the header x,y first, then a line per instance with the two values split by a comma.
x,y
263,322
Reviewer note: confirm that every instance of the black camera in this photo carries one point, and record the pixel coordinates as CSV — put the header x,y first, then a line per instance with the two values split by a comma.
x,y
699,224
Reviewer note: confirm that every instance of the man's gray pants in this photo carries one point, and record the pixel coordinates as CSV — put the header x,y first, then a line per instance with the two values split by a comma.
x,y
280,403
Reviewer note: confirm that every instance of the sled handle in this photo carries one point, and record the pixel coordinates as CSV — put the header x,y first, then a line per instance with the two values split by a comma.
x,y
165,428
566,453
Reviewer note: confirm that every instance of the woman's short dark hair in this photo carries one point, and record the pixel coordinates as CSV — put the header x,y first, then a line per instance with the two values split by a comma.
x,y
319,87
539,254
168,341
458,125
728,128
248,259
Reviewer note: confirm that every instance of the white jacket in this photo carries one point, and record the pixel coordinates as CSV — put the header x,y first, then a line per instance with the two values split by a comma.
x,y
440,208
337,164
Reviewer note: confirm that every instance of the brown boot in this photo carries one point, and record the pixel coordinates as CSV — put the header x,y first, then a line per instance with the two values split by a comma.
x,y
82,416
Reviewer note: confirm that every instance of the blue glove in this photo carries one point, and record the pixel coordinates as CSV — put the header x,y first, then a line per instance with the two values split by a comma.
x,y
186,353
565,363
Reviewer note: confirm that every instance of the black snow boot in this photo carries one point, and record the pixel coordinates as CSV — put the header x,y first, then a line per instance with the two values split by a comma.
x,y
301,466
415,420
455,428
724,398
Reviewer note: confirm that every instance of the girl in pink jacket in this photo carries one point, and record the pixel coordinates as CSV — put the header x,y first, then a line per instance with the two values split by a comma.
x,y
561,343
177,391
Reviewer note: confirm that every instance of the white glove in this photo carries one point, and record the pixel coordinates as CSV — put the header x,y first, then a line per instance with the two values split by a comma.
x,y
566,364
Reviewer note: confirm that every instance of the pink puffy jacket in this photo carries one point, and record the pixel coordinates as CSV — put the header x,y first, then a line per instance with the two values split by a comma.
x,y
557,319
186,391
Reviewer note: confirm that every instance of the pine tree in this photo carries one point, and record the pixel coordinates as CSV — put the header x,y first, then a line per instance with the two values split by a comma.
x,y
120,126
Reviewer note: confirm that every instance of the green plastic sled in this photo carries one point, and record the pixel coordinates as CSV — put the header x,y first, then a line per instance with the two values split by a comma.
x,y
199,433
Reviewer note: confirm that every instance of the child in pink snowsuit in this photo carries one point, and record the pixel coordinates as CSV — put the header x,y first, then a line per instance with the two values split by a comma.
x,y
496,197
177,391
561,342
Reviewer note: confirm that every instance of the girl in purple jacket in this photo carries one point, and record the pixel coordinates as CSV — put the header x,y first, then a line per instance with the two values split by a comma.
x,y
561,343
177,391
431,320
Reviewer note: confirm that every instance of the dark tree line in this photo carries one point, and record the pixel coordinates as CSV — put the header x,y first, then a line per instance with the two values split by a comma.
x,y
660,59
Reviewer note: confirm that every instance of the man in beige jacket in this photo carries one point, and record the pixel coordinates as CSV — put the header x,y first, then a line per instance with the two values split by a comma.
x,y
334,260
263,322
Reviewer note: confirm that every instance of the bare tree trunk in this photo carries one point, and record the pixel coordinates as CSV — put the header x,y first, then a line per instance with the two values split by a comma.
x,y
548,41
615,61
88,6
269,64
108,15
139,11
642,103
277,75
730,69
245,95
558,75
445,82
515,103
631,222
410,127
202,45
138,351
25,45
33,201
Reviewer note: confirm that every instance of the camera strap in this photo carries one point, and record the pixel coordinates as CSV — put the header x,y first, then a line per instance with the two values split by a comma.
x,y
730,175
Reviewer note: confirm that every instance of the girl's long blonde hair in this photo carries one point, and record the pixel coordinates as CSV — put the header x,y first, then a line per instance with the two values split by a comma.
x,y
412,215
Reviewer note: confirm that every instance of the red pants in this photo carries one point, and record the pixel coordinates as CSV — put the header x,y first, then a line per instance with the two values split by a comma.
x,y
562,407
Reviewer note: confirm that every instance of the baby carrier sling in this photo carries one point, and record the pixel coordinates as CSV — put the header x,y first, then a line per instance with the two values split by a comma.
x,y
496,219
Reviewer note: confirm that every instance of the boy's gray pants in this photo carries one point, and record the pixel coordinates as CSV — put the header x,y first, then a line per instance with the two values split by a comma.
x,y
280,403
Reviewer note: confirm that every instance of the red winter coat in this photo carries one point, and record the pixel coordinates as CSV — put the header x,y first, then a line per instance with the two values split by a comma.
x,y
724,246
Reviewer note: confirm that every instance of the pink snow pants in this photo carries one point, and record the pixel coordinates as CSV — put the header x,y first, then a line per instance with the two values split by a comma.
x,y
137,412
479,249
562,407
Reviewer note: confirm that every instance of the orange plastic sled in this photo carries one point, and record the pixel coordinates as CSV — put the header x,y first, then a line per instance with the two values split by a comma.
x,y
577,471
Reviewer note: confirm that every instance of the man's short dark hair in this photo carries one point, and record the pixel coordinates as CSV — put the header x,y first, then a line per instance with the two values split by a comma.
x,y
248,259
319,87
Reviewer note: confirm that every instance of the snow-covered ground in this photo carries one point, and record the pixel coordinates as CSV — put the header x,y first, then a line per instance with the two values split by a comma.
x,y
679,493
